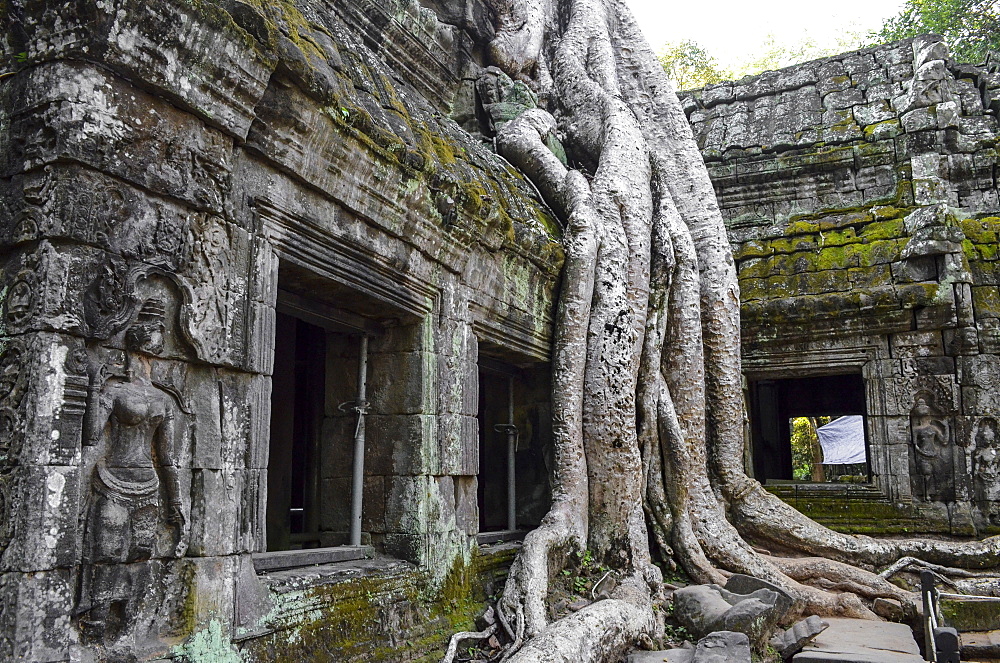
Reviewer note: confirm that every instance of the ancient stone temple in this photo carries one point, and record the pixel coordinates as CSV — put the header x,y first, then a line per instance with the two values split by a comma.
x,y
860,194
214,216
253,250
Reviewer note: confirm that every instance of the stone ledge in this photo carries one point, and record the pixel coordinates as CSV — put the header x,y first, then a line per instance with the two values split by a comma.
x,y
290,559
503,536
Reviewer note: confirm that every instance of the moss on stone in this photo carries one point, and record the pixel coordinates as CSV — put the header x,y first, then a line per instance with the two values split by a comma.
x,y
888,229
970,614
839,237
399,615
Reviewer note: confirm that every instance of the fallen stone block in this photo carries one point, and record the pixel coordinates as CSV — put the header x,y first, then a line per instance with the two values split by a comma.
x,y
792,641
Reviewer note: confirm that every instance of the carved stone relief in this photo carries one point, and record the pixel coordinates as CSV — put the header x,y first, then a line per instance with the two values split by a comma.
x,y
13,386
135,500
931,451
986,461
214,307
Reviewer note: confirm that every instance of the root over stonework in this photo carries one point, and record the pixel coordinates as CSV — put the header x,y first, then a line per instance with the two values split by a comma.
x,y
647,397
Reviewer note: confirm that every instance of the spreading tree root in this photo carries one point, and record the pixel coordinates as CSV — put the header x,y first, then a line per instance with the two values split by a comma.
x,y
648,411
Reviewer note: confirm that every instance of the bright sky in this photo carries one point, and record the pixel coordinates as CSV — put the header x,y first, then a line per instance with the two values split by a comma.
x,y
729,29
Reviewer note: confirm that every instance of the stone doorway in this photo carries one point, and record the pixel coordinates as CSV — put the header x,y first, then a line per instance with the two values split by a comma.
x,y
785,415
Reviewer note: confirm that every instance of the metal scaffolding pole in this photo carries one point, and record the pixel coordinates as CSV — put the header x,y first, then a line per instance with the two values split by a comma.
x,y
511,452
511,431
358,476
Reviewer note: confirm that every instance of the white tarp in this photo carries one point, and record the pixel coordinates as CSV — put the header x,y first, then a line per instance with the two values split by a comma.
x,y
843,440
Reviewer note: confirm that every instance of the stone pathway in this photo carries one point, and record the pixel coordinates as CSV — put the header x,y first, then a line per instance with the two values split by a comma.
x,y
861,641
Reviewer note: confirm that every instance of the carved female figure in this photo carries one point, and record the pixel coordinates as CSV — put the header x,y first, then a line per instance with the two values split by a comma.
x,y
135,418
932,452
986,474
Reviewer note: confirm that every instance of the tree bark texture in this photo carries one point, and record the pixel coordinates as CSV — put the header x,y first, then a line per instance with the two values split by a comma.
x,y
647,396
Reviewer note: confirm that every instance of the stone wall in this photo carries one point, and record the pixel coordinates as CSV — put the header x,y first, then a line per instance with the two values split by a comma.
x,y
174,174
860,194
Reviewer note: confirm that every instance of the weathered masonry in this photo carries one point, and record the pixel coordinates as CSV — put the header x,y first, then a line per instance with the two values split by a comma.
x,y
239,241
275,321
860,193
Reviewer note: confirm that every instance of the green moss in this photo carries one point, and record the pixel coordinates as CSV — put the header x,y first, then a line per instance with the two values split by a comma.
x,y
834,257
386,617
753,248
981,231
839,237
986,301
987,251
883,212
752,289
876,252
793,244
881,129
801,228
889,229
969,614
285,14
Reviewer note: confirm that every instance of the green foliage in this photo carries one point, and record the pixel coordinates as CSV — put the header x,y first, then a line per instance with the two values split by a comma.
x,y
803,437
676,633
971,27
779,54
805,440
690,66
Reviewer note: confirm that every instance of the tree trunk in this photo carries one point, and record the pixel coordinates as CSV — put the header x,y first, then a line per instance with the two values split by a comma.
x,y
647,396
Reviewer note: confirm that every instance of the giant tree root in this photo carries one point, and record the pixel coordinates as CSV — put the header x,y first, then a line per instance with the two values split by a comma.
x,y
648,412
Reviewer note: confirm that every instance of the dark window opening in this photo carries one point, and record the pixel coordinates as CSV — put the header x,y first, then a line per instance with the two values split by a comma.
x,y
348,402
809,429
297,405
522,440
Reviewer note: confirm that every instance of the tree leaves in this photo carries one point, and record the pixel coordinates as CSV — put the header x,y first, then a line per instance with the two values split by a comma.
x,y
971,27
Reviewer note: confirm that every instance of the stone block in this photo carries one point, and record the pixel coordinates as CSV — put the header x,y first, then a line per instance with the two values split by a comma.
x,y
862,278
37,627
986,301
236,419
935,317
861,640
209,596
842,99
260,345
917,344
929,366
400,444
401,383
206,435
217,509
253,516
373,504
42,400
416,337
878,369
442,507
337,446
466,505
158,153
44,518
458,382
411,547
897,396
335,501
458,445
259,422
920,119
917,269
407,504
